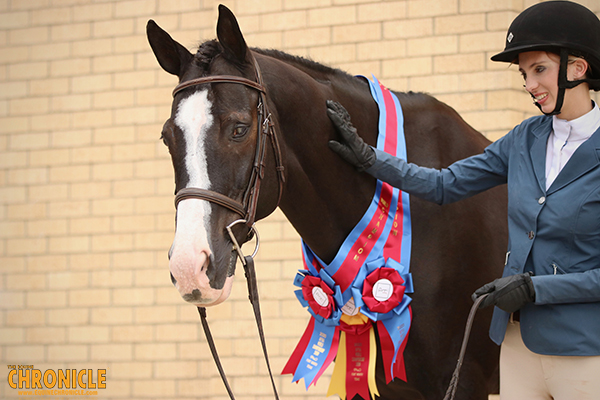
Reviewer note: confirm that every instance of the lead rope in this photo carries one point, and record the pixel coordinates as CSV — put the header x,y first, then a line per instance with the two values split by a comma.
x,y
253,296
454,381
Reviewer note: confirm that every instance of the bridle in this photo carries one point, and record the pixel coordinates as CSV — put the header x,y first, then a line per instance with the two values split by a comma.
x,y
247,208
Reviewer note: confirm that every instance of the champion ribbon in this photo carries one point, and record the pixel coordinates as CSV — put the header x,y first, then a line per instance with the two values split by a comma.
x,y
365,286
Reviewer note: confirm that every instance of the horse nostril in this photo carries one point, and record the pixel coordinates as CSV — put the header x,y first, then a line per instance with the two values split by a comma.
x,y
173,280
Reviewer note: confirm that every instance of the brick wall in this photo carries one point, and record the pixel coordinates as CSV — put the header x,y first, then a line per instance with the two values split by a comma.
x,y
86,206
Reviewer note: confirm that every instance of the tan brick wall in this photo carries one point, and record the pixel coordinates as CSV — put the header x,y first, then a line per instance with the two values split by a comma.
x,y
86,207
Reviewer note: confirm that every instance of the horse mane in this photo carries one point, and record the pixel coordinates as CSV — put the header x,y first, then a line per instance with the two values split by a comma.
x,y
208,50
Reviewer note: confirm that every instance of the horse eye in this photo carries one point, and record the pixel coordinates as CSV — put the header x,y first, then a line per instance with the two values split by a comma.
x,y
164,140
240,131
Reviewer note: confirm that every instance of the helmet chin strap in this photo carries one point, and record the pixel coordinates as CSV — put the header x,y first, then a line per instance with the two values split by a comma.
x,y
563,84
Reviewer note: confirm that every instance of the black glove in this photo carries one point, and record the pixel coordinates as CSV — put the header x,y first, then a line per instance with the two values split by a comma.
x,y
510,293
351,148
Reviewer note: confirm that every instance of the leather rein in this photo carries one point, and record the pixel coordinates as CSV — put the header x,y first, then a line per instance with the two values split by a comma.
x,y
246,208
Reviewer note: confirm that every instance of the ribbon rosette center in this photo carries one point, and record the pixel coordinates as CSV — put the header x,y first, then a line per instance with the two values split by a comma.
x,y
383,290
318,295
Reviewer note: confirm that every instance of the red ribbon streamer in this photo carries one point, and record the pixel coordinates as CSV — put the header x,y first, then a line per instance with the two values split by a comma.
x,y
357,359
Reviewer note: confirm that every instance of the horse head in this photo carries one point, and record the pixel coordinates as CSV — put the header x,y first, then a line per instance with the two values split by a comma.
x,y
217,137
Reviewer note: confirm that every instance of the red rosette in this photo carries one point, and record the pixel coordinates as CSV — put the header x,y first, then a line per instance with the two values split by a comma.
x,y
383,290
318,295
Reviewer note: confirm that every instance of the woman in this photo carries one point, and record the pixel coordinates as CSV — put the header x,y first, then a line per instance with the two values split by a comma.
x,y
547,314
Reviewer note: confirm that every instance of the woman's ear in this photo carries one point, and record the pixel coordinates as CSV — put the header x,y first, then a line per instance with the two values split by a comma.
x,y
579,68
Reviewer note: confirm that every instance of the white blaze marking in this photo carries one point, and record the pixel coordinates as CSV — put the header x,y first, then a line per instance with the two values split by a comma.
x,y
193,118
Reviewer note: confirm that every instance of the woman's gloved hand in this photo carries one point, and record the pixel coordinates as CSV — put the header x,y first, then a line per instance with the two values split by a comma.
x,y
351,148
510,293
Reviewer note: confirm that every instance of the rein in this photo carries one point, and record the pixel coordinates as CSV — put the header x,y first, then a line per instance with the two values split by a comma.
x,y
246,209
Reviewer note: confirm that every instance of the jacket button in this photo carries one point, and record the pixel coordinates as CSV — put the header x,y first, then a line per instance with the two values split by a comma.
x,y
530,235
541,200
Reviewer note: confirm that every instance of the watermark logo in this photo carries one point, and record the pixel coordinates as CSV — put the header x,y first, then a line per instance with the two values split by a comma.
x,y
30,381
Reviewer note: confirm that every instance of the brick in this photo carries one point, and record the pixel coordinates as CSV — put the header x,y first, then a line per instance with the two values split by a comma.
x,y
155,351
331,16
111,352
25,317
49,157
382,49
68,280
432,46
29,141
112,171
12,300
356,33
68,244
77,102
51,16
154,387
70,32
67,353
11,229
77,173
14,125
392,10
95,154
459,24
486,41
111,242
83,226
408,28
436,84
68,316
111,315
92,84
29,70
35,35
110,278
407,67
25,352
12,20
47,263
54,86
112,28
12,336
306,37
133,296
46,335
421,8
26,247
90,190
12,89
155,314
51,227
177,332
475,6
131,370
46,299
130,334
88,334
458,63
71,138
71,67
50,122
12,195
92,47
28,211
113,135
136,187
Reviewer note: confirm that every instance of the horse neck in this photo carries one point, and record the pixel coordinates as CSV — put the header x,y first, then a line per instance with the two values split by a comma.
x,y
324,197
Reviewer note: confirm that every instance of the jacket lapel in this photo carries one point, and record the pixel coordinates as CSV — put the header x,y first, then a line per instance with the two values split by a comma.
x,y
538,151
585,158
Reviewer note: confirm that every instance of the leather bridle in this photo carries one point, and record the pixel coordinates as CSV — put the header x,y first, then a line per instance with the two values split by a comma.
x,y
247,208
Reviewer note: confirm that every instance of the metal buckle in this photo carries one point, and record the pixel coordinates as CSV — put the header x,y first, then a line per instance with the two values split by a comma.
x,y
237,246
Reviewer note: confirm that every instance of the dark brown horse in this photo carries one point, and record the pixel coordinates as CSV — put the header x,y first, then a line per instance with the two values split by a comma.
x,y
212,138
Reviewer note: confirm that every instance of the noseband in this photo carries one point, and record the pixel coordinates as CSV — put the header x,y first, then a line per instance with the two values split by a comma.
x,y
247,208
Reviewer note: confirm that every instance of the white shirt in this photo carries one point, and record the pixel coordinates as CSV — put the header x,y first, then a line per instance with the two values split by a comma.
x,y
565,138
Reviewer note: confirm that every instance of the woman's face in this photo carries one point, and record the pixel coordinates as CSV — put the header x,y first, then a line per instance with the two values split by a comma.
x,y
540,72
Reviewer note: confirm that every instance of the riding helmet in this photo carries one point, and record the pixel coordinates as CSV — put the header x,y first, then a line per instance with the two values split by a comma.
x,y
554,26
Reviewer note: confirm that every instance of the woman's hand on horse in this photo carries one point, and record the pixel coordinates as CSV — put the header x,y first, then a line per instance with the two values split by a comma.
x,y
510,293
351,148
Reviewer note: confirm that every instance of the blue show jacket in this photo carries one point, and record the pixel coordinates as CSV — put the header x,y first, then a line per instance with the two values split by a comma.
x,y
555,233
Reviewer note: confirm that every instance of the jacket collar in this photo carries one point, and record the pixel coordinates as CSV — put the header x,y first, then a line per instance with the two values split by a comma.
x,y
585,158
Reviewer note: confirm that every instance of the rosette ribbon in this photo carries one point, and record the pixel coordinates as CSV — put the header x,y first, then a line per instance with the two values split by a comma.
x,y
380,290
319,343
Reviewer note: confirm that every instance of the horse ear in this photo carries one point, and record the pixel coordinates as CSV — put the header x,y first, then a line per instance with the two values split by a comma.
x,y
230,36
171,56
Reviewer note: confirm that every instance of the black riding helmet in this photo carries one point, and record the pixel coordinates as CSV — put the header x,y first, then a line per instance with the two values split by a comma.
x,y
560,27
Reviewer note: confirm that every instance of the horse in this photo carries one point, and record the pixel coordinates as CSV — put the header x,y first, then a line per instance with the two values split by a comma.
x,y
217,117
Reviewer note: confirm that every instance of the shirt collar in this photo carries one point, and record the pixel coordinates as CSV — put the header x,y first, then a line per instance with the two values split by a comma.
x,y
577,129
